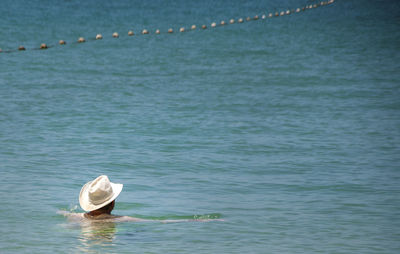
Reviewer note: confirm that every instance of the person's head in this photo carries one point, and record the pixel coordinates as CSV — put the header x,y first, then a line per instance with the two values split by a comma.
x,y
104,210
98,196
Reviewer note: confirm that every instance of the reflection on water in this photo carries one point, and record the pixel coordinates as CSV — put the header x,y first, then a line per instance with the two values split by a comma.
x,y
96,234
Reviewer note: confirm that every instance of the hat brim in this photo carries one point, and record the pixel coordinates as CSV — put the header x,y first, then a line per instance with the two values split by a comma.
x,y
84,200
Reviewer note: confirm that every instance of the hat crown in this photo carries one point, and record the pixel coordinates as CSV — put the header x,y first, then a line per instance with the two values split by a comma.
x,y
100,190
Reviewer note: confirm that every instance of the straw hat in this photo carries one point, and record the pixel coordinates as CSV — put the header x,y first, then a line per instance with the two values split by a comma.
x,y
98,193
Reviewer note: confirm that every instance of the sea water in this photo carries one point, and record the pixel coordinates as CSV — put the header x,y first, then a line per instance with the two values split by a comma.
x,y
286,128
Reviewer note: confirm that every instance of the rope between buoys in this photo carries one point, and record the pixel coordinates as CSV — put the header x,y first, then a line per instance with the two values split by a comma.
x,y
44,46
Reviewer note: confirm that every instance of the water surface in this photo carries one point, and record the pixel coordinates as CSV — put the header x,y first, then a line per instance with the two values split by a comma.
x,y
288,129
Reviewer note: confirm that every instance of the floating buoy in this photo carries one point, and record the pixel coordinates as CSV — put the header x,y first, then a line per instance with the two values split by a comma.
x,y
182,29
204,27
193,27
276,14
145,31
170,30
62,42
282,13
240,20
130,33
43,46
213,24
298,10
315,6
232,21
255,17
263,16
81,39
303,9
287,12
270,15
223,23
21,48
310,6
99,37
157,31
248,18
115,35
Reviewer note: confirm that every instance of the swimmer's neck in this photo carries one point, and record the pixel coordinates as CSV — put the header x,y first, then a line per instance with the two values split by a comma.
x,y
106,210
97,213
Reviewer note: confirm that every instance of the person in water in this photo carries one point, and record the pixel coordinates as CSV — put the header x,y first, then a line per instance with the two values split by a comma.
x,y
97,199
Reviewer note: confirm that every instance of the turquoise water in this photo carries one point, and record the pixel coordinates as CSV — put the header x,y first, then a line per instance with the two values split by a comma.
x,y
288,129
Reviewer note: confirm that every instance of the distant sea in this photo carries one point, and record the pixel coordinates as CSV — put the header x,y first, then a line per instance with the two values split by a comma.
x,y
286,128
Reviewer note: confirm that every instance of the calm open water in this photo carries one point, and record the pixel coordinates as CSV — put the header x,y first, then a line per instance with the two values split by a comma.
x,y
288,129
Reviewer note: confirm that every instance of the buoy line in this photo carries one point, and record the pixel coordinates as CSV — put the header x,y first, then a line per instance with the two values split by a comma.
x,y
222,23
